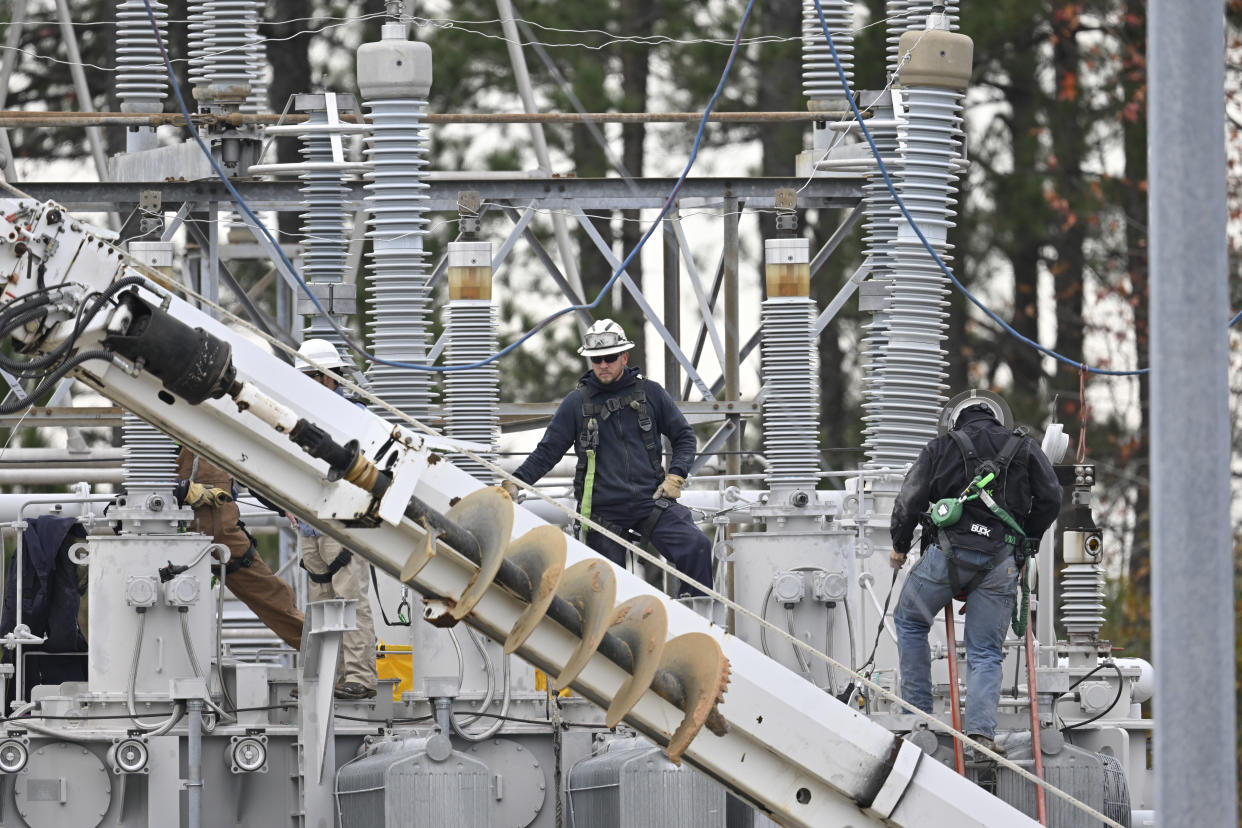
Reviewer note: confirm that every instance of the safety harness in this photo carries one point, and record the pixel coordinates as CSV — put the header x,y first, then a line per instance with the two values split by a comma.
x,y
336,565
945,513
593,415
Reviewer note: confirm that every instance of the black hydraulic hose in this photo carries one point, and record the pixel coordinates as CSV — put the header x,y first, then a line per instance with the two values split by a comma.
x,y
513,578
1120,686
13,320
89,312
52,378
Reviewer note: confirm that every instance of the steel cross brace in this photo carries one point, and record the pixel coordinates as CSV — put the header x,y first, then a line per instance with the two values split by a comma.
x,y
648,311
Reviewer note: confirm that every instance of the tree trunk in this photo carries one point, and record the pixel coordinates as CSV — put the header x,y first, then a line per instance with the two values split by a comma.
x,y
638,18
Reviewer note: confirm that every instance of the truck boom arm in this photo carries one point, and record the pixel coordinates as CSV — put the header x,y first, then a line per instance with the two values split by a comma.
x,y
388,493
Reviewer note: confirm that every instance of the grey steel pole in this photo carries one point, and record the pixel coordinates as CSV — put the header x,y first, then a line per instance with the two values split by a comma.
x,y
732,308
194,764
81,88
520,74
1192,547
672,302
732,368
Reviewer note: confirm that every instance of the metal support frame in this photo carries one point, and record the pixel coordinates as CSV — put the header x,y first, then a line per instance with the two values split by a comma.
x,y
7,61
672,295
326,622
545,259
81,88
706,306
442,192
652,319
256,314
520,74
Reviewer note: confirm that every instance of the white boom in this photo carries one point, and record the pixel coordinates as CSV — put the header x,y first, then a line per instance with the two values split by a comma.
x,y
774,739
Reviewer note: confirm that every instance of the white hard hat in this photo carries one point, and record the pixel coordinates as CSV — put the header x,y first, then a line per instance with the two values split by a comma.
x,y
318,353
603,338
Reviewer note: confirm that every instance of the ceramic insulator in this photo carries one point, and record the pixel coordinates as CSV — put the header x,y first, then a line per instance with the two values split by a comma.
x,y
790,365
398,293
141,82
471,398
325,247
223,35
907,369
820,81
196,40
1082,601
150,463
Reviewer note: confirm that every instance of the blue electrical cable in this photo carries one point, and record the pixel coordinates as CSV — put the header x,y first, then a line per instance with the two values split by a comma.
x,y
901,205
694,152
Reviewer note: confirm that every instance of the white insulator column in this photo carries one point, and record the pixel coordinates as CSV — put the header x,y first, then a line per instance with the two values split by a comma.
x,y
150,459
1082,602
230,38
907,369
141,83
790,369
895,13
196,43
820,82
257,61
471,397
325,246
394,76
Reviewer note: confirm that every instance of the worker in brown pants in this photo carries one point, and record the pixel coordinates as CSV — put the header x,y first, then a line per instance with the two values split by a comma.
x,y
208,489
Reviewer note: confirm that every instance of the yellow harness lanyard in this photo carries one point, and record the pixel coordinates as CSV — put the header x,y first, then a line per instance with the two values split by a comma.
x,y
588,482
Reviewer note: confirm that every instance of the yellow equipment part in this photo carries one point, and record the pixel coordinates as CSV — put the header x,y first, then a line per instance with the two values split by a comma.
x,y
541,683
395,663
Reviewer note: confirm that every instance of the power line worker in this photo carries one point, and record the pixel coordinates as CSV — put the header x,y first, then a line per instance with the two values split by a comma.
x,y
209,491
333,571
614,420
992,493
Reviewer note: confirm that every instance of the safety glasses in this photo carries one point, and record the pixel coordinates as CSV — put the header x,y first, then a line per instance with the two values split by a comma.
x,y
610,358
603,339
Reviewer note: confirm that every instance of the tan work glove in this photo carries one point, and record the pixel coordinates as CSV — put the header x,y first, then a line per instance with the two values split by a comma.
x,y
197,495
896,559
670,488
511,489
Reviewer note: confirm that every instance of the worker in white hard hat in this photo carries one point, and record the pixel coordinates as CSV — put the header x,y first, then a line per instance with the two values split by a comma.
x,y
333,571
614,420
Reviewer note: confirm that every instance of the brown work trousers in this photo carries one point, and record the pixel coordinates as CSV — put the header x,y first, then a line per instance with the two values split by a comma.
x,y
268,597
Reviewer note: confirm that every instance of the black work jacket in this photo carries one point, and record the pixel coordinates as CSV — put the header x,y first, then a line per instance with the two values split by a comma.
x,y
1031,493
623,469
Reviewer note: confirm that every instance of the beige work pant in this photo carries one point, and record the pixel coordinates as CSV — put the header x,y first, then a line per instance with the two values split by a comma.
x,y
357,659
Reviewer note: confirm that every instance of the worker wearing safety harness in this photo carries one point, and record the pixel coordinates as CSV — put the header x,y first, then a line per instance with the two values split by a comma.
x,y
985,495
614,420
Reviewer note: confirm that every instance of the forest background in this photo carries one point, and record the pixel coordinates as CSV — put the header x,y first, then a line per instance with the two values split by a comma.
x,y
1052,223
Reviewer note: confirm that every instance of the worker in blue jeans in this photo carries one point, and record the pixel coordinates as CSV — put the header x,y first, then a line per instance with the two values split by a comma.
x,y
614,420
985,495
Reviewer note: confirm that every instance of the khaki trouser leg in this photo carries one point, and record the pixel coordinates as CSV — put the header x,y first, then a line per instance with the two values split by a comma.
x,y
357,660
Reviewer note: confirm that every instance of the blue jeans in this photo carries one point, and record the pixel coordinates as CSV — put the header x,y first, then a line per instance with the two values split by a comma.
x,y
988,611
675,537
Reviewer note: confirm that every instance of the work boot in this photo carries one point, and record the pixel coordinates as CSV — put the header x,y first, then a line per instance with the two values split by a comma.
x,y
353,690
989,743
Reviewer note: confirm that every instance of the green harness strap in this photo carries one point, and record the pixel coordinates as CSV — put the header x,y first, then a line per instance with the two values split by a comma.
x,y
1022,617
588,484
